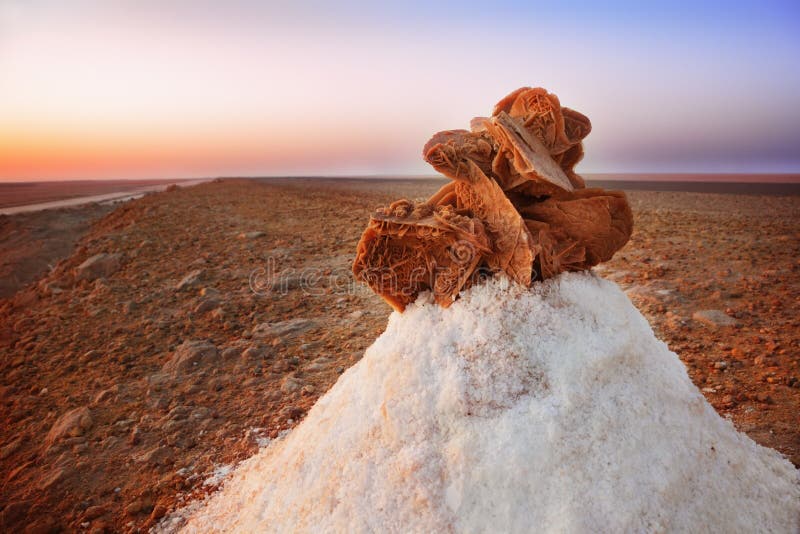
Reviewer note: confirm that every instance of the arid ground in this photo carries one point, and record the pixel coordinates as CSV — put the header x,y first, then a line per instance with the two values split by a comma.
x,y
209,319
20,193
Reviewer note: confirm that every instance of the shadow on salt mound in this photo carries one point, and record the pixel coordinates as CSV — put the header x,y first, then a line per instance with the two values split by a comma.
x,y
553,408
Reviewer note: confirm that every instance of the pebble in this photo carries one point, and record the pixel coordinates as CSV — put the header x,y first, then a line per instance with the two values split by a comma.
x,y
290,384
191,355
319,364
231,353
210,292
93,512
254,353
283,328
206,304
251,235
156,456
762,360
764,397
190,280
98,266
159,511
73,423
713,318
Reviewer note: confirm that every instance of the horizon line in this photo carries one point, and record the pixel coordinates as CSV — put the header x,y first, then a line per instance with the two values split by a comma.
x,y
642,175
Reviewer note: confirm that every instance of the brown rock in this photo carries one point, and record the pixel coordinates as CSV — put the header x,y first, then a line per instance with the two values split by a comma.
x,y
93,512
159,511
713,318
71,424
191,280
98,266
157,456
515,206
190,356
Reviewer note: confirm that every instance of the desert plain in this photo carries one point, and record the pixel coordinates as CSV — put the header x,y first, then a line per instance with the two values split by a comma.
x,y
147,347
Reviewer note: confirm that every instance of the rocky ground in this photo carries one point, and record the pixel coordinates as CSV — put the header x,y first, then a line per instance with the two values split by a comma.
x,y
190,327
32,243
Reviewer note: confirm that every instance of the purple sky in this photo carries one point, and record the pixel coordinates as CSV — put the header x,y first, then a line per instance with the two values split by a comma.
x,y
196,88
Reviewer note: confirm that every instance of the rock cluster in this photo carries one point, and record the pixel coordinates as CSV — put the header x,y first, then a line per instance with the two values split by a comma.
x,y
515,205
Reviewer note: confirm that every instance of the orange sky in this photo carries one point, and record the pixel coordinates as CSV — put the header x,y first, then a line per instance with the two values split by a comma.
x,y
93,89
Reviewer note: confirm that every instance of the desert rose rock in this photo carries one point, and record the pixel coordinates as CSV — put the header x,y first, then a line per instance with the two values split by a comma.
x,y
515,205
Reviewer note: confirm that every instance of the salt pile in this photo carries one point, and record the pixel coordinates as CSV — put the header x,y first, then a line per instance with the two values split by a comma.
x,y
549,409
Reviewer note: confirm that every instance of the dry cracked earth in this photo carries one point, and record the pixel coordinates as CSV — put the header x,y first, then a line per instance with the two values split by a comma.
x,y
188,328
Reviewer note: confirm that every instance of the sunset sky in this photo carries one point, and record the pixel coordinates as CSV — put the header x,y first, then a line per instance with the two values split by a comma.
x,y
113,89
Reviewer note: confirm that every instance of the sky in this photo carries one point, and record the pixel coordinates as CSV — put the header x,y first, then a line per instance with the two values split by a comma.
x,y
152,89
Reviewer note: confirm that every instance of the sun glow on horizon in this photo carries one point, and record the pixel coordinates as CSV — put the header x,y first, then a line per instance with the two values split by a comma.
x,y
199,89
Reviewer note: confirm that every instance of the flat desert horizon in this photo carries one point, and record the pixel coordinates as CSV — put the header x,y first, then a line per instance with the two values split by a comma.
x,y
45,192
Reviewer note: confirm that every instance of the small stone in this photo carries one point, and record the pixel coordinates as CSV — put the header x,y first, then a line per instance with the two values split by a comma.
x,y
210,292
135,436
105,395
713,318
191,355
291,384
292,412
190,280
283,328
357,315
254,353
54,477
231,353
157,456
762,360
73,423
93,512
764,397
721,365
158,512
206,304
134,508
200,413
98,266
251,235
319,364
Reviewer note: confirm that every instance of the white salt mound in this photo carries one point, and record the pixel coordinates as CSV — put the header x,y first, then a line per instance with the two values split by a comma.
x,y
552,409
